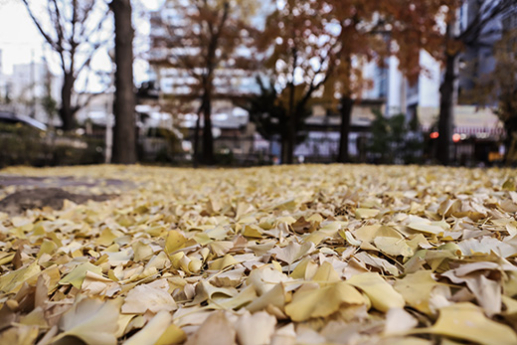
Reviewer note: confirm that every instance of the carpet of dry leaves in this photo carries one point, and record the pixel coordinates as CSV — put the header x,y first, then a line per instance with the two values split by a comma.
x,y
309,254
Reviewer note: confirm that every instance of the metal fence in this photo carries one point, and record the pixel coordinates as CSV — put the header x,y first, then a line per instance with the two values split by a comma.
x,y
251,151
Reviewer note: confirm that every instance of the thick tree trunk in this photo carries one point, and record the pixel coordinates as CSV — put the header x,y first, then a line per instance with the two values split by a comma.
x,y
291,140
196,137
347,104
66,112
288,152
208,139
447,100
124,144
284,144
446,118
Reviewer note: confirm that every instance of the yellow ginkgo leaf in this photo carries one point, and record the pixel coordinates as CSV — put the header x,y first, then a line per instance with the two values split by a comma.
x,y
172,335
174,241
322,302
206,291
146,297
77,275
153,331
12,281
265,278
416,289
107,237
381,294
275,297
252,231
220,248
91,320
256,329
215,330
245,297
20,335
142,251
364,213
222,263
393,246
305,269
467,321
326,274
426,228
293,251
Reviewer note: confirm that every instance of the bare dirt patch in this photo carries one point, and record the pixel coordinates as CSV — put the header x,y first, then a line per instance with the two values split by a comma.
x,y
19,193
45,197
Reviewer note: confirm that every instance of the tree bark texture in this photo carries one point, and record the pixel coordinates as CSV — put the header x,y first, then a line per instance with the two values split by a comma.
x,y
124,144
208,139
447,100
195,159
446,118
290,134
66,111
347,104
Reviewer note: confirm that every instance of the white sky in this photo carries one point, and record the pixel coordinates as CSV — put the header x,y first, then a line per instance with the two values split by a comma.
x,y
19,38
18,35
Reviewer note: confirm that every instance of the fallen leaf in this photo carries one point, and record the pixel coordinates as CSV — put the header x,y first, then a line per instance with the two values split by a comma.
x,y
398,321
416,289
382,294
292,252
174,241
91,320
365,213
145,297
216,330
152,332
322,302
466,321
12,281
255,329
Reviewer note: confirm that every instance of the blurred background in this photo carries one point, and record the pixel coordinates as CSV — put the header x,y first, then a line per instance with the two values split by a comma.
x,y
251,82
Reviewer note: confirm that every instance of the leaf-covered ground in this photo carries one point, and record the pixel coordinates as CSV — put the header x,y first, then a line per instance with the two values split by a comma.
x,y
310,254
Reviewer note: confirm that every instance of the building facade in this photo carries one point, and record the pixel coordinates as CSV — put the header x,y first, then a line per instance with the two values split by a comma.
x,y
23,92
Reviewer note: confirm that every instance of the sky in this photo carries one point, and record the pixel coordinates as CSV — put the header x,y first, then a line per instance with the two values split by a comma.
x,y
20,41
18,35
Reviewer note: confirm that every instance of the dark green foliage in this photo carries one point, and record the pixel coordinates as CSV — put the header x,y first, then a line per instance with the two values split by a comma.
x,y
225,158
22,145
269,114
394,140
50,105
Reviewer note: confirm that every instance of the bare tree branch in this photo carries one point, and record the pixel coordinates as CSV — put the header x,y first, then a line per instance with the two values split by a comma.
x,y
70,28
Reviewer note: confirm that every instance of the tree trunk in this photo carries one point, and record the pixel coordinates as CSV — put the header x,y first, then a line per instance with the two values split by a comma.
x,y
446,118
284,144
447,100
196,137
290,142
290,130
66,113
347,104
124,143
208,139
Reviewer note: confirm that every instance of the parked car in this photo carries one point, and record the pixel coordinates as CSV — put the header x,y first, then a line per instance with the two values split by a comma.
x,y
13,119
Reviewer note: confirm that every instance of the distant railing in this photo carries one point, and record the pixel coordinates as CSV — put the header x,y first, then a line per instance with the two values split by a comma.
x,y
22,145
250,151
